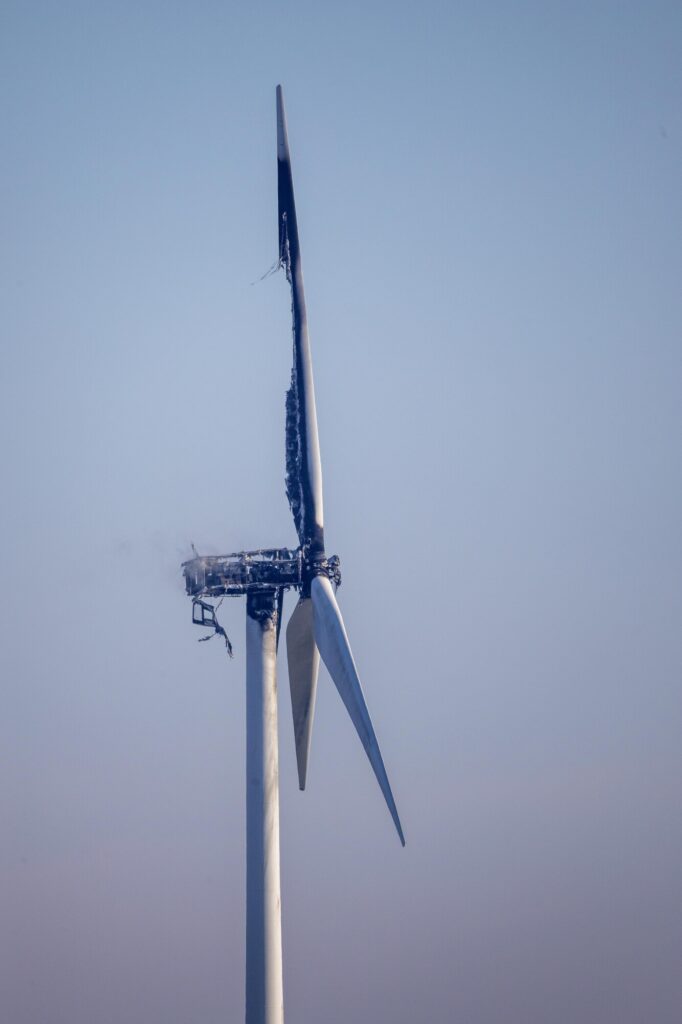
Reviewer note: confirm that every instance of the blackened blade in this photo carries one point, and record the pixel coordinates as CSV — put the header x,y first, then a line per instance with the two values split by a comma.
x,y
304,471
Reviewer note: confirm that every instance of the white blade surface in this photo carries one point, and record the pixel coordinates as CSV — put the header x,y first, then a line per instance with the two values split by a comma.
x,y
332,641
304,665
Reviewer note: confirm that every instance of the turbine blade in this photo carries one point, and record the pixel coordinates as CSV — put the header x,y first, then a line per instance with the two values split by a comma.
x,y
332,641
304,665
303,470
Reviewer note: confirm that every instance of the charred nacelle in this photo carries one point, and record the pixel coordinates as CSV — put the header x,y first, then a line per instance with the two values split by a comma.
x,y
246,572
243,572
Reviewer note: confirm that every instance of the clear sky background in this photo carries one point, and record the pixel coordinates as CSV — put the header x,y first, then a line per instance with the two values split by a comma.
x,y
491,223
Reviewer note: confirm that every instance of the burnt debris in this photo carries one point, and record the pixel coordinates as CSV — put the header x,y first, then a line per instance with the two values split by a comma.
x,y
204,614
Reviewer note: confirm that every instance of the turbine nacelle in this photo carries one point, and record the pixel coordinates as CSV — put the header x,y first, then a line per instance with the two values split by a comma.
x,y
245,572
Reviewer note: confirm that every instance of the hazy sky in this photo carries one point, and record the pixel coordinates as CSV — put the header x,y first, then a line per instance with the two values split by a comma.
x,y
491,224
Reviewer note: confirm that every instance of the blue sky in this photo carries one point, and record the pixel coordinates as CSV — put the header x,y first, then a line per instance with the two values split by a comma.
x,y
490,216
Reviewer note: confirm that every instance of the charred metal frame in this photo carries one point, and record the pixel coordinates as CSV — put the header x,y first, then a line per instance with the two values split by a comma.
x,y
248,572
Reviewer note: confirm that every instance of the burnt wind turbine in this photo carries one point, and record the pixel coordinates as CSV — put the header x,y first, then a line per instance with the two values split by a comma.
x,y
315,628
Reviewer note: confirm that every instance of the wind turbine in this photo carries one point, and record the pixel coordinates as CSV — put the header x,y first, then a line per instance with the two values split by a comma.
x,y
315,628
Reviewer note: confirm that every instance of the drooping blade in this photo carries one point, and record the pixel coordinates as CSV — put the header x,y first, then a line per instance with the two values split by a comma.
x,y
303,469
304,665
332,641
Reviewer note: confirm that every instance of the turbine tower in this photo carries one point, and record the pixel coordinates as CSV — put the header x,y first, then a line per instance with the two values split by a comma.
x,y
315,628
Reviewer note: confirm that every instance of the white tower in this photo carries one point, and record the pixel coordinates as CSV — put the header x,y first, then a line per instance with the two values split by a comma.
x,y
264,999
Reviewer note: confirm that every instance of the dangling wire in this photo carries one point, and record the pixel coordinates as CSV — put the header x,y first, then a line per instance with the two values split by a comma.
x,y
276,266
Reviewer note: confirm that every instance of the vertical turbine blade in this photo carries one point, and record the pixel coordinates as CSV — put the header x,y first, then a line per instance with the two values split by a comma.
x,y
332,641
304,665
304,470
